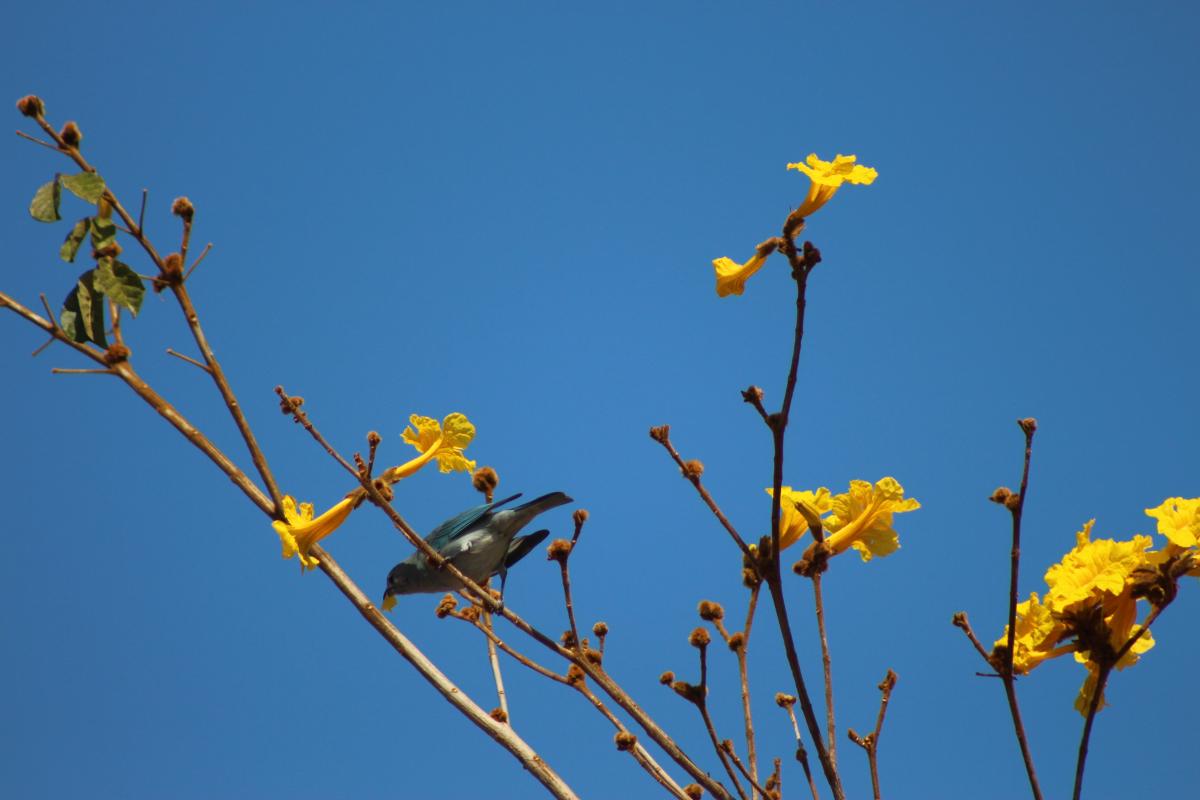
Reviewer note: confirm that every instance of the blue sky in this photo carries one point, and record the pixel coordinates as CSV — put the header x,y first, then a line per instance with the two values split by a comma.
x,y
511,212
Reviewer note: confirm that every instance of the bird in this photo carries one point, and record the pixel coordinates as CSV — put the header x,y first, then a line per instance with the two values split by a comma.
x,y
481,542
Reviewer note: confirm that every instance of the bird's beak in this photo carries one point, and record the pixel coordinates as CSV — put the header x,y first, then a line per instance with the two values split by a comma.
x,y
389,601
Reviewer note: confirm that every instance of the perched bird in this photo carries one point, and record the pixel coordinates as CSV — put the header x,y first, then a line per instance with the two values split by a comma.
x,y
481,542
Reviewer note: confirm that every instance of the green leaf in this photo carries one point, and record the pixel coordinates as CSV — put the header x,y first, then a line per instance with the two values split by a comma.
x,y
86,185
44,207
104,233
120,284
82,315
75,238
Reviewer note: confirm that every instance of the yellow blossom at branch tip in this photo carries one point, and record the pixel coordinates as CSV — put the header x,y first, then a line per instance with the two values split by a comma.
x,y
443,442
300,532
792,522
1178,520
862,518
1094,571
732,276
828,176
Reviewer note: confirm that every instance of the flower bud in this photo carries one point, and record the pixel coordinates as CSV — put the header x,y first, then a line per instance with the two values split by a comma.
x,y
625,740
182,207
699,638
71,135
485,480
710,611
31,106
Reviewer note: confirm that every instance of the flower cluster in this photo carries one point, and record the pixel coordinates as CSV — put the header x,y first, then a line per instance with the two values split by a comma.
x,y
1091,604
443,442
860,518
825,177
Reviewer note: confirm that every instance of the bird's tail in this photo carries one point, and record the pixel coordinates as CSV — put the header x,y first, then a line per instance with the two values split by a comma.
x,y
543,503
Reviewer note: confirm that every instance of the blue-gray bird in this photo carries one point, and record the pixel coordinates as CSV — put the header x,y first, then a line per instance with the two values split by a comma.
x,y
481,542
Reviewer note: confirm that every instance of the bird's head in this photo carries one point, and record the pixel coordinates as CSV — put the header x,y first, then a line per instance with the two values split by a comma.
x,y
401,580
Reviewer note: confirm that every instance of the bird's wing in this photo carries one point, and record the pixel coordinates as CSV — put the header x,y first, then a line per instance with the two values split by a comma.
x,y
454,527
522,545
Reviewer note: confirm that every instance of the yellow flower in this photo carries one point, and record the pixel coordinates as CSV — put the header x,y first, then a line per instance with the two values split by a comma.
x,y
862,518
793,523
732,276
444,442
827,177
300,532
1094,571
1178,520
1037,637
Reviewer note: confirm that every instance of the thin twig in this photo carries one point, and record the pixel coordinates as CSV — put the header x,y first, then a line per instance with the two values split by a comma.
x,y
494,660
1028,426
302,418
189,360
142,210
501,733
743,675
61,371
870,742
196,263
701,702
662,435
802,264
827,666
1098,695
36,140
41,348
801,753
737,762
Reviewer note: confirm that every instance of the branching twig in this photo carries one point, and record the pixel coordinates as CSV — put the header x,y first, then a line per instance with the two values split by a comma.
x,y
870,742
189,360
196,263
692,470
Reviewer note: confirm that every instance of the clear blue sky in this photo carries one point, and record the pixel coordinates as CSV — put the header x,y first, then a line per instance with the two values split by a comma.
x,y
509,210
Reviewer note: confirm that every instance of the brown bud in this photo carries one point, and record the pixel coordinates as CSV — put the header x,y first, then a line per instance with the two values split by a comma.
x,y
384,488
471,613
688,691
693,791
1029,425
594,656
498,714
110,250
71,135
699,638
448,604
172,272
660,433
559,550
575,675
710,611
784,700
31,106
373,438
182,207
600,629
812,256
1012,502
737,641
485,480
753,395
692,470
625,740
667,678
579,517
115,354
1001,495
286,404
750,577
727,745
567,639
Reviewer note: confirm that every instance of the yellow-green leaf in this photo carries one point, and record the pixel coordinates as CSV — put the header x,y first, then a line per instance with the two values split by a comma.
x,y
86,185
44,207
82,314
75,238
120,284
